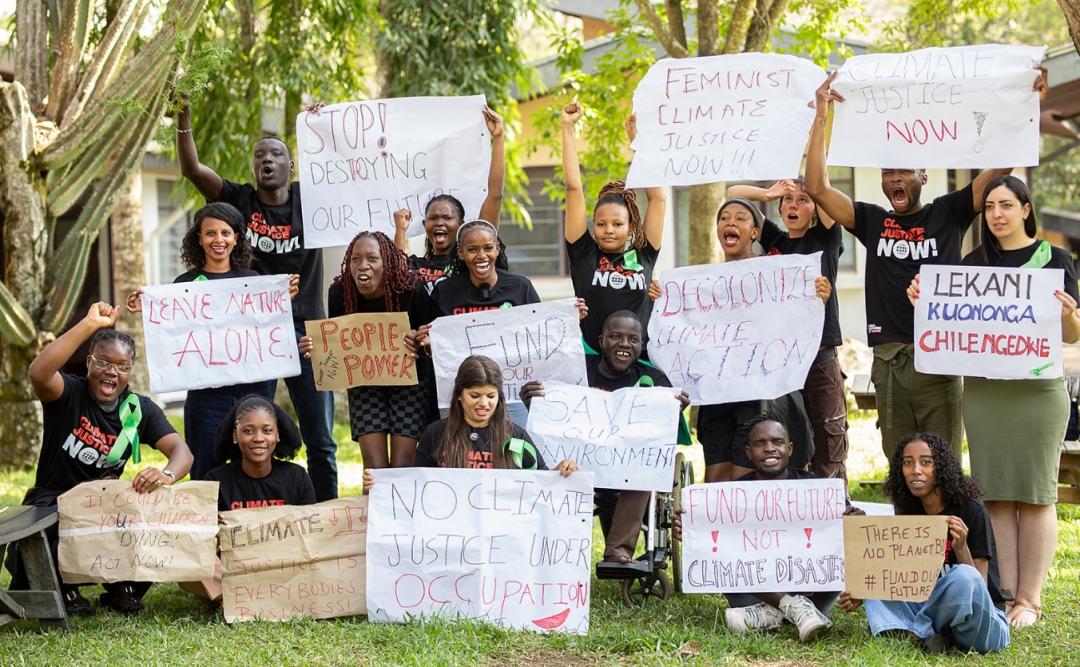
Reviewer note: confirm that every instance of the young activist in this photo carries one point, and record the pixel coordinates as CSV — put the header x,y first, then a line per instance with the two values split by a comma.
x,y
965,609
611,269
215,247
618,366
478,432
898,242
1020,481
810,230
275,227
92,426
376,278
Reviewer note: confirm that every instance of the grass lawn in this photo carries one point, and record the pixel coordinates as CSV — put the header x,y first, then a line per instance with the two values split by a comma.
x,y
177,628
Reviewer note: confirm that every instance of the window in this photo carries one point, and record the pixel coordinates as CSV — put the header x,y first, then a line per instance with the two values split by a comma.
x,y
173,220
537,252
843,179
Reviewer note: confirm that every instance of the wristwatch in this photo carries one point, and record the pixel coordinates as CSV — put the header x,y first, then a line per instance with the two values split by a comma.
x,y
170,473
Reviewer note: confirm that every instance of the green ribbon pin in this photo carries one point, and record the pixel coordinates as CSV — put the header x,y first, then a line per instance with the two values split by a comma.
x,y
1040,258
629,260
200,277
645,381
130,416
517,448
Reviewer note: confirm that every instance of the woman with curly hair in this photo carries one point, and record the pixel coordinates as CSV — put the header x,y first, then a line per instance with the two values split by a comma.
x,y
611,269
966,607
215,247
376,278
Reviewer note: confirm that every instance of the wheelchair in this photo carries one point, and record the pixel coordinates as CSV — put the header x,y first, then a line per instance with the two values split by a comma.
x,y
646,578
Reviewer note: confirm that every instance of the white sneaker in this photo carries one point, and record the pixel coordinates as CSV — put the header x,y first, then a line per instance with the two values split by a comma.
x,y
760,616
805,616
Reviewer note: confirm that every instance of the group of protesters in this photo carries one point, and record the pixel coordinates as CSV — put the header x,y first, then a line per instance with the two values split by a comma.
x,y
1000,549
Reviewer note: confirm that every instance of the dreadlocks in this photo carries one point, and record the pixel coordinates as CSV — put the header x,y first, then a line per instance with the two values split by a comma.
x,y
616,192
398,277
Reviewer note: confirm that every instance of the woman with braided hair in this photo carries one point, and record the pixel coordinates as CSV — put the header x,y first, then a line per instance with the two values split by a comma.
x,y
376,278
612,271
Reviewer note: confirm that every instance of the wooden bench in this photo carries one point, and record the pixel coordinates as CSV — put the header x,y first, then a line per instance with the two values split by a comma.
x,y
1069,473
25,525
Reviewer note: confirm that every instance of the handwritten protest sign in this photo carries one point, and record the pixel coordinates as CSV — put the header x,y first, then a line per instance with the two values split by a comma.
x,y
109,532
215,333
702,120
539,341
361,350
738,331
289,561
511,547
361,161
893,557
626,438
989,322
960,107
742,537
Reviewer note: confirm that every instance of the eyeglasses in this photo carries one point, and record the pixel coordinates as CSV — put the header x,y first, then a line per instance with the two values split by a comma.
x,y
102,365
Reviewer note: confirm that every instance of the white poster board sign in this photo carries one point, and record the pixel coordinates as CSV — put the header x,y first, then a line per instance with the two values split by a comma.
x,y
954,108
215,333
738,331
539,341
989,322
358,162
625,438
510,547
731,117
774,536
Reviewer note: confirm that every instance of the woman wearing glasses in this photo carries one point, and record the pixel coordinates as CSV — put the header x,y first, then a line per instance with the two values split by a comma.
x,y
93,424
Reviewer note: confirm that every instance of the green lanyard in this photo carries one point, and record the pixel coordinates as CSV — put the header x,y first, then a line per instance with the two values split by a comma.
x,y
130,416
1040,258
517,448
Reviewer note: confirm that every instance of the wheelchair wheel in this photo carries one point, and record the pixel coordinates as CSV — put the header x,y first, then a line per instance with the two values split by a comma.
x,y
684,476
639,590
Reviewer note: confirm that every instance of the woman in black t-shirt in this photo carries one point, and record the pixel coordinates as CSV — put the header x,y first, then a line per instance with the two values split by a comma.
x,y
478,432
1015,427
376,278
445,213
215,247
612,270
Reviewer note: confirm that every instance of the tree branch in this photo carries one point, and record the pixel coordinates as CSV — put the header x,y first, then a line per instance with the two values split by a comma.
x,y
1071,10
740,22
31,56
661,31
676,21
708,20
766,17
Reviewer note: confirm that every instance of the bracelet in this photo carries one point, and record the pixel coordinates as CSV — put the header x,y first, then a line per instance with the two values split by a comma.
x,y
187,131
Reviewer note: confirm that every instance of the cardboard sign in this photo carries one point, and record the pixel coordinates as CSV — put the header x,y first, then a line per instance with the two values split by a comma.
x,y
718,118
539,341
893,557
625,438
109,532
294,561
989,322
738,331
358,162
361,350
953,108
511,547
742,537
215,333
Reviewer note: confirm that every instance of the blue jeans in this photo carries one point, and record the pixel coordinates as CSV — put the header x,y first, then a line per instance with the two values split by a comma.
x,y
315,410
823,600
204,410
959,607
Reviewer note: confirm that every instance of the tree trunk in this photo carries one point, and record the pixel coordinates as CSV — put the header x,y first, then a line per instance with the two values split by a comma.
x,y
1071,10
704,203
22,207
129,271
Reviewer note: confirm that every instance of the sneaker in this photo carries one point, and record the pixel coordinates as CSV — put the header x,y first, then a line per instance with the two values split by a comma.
x,y
121,600
805,616
760,616
75,604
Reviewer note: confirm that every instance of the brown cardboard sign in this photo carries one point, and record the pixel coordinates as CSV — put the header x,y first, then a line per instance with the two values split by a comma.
x,y
364,349
893,557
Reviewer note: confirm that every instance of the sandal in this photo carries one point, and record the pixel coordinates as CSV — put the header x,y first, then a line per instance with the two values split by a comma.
x,y
1023,615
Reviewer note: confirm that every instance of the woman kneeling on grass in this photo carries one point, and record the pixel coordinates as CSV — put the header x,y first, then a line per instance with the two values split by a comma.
x,y
966,607
478,418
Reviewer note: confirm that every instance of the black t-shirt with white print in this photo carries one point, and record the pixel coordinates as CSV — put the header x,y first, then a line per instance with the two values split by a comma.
x,y
980,543
896,246
609,282
830,243
79,434
457,295
428,451
287,484
277,243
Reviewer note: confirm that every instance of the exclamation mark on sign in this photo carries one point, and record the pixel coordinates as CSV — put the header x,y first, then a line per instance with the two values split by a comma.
x,y
382,143
980,120
808,531
715,534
